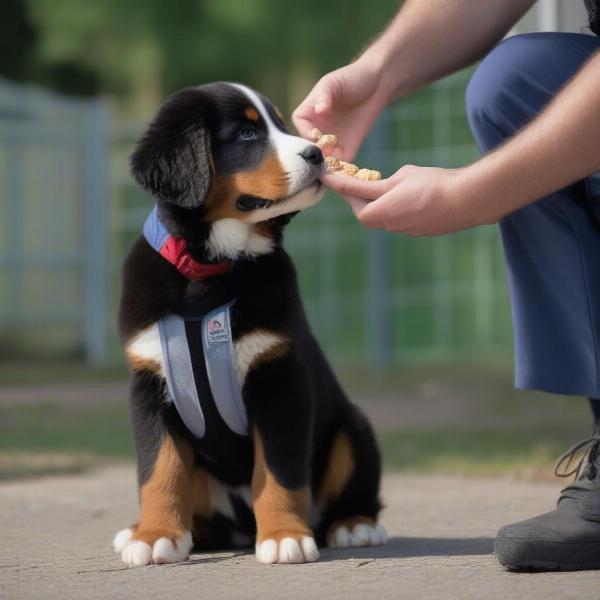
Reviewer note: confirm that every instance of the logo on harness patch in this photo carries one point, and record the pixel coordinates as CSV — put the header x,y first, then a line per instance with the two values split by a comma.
x,y
216,332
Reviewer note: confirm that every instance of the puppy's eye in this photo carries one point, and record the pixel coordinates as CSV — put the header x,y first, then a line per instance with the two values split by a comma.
x,y
247,132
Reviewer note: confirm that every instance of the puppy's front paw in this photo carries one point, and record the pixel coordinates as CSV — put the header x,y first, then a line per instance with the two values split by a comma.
x,y
152,550
356,532
286,549
121,539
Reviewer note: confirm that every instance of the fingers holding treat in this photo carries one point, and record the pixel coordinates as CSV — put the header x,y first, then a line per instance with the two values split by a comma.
x,y
358,188
327,143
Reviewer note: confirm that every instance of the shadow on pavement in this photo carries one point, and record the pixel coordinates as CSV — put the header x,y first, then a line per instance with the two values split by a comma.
x,y
397,547
406,547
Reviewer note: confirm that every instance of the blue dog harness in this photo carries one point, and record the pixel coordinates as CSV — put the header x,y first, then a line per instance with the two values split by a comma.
x,y
197,348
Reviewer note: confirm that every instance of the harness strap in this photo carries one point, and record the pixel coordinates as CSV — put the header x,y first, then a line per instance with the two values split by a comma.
x,y
217,341
179,373
223,386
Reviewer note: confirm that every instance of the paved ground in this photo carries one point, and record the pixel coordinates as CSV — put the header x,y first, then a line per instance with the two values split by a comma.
x,y
55,538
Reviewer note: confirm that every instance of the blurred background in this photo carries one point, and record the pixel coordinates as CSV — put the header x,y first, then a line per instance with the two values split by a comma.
x,y
418,329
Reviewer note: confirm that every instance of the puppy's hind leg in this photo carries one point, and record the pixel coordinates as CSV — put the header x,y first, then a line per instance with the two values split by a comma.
x,y
348,493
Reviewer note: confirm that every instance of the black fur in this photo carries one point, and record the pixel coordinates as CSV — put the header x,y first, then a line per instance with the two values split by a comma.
x,y
294,400
171,160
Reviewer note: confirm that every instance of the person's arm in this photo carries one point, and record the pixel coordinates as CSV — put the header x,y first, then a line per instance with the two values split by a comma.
x,y
432,38
557,148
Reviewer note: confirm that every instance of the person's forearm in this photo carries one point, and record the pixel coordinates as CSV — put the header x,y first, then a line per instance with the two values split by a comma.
x,y
559,147
432,38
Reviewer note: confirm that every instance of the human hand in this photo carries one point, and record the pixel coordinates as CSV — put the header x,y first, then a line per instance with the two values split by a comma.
x,y
417,201
345,102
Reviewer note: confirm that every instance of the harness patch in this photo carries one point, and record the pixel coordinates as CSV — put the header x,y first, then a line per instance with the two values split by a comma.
x,y
219,356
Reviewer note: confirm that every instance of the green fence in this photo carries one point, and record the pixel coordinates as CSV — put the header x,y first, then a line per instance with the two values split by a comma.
x,y
370,296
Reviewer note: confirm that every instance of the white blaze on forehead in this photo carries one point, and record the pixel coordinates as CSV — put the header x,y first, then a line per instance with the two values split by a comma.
x,y
288,147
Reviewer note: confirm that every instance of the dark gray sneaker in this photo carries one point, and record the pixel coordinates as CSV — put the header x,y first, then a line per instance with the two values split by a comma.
x,y
565,539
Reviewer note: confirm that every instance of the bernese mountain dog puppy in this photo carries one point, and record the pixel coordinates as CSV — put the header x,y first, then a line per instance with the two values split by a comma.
x,y
297,465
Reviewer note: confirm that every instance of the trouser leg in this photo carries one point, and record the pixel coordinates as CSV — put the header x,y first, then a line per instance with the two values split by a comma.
x,y
551,246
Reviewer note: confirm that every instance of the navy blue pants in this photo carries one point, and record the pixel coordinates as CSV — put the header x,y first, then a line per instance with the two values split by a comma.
x,y
552,247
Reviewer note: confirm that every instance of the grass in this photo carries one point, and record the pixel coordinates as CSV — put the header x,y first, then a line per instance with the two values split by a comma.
x,y
51,438
60,371
92,430
443,418
485,451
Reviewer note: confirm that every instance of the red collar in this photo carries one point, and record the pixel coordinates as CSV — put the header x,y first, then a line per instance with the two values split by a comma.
x,y
175,251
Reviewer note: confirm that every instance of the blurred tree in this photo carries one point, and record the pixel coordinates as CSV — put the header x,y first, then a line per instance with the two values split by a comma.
x,y
17,39
139,50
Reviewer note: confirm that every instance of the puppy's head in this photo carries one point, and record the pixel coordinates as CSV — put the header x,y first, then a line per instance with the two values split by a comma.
x,y
223,148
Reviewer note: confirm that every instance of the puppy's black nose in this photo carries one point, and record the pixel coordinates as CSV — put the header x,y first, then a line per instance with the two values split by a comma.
x,y
313,155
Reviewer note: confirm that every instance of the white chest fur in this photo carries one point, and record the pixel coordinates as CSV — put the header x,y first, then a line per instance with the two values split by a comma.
x,y
230,238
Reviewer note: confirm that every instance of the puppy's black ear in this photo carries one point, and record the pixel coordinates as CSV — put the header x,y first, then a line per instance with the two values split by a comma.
x,y
172,160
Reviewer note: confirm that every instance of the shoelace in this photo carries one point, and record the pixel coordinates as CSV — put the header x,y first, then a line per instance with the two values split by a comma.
x,y
569,456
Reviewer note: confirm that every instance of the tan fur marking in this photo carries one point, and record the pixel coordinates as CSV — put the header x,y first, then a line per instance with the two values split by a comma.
x,y
275,351
143,364
339,470
268,181
201,498
279,512
221,198
167,497
349,523
251,114
263,228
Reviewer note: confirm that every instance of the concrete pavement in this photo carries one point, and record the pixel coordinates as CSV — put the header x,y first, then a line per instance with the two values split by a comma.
x,y
55,536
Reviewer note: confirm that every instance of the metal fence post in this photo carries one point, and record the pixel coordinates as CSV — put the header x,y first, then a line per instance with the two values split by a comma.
x,y
377,148
14,231
95,232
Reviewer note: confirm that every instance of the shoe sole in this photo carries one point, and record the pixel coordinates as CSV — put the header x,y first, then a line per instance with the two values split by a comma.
x,y
522,554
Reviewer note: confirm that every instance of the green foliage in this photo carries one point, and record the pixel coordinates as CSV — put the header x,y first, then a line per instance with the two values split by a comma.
x,y
18,38
119,47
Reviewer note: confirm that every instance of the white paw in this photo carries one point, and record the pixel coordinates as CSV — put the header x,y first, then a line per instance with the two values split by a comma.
x,y
362,534
136,553
165,550
287,551
121,539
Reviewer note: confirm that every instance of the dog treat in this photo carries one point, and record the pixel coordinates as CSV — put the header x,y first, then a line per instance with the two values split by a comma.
x,y
341,167
327,140
315,135
368,175
332,164
348,168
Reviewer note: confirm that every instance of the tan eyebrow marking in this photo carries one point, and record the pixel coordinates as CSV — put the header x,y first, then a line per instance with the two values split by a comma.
x,y
251,114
